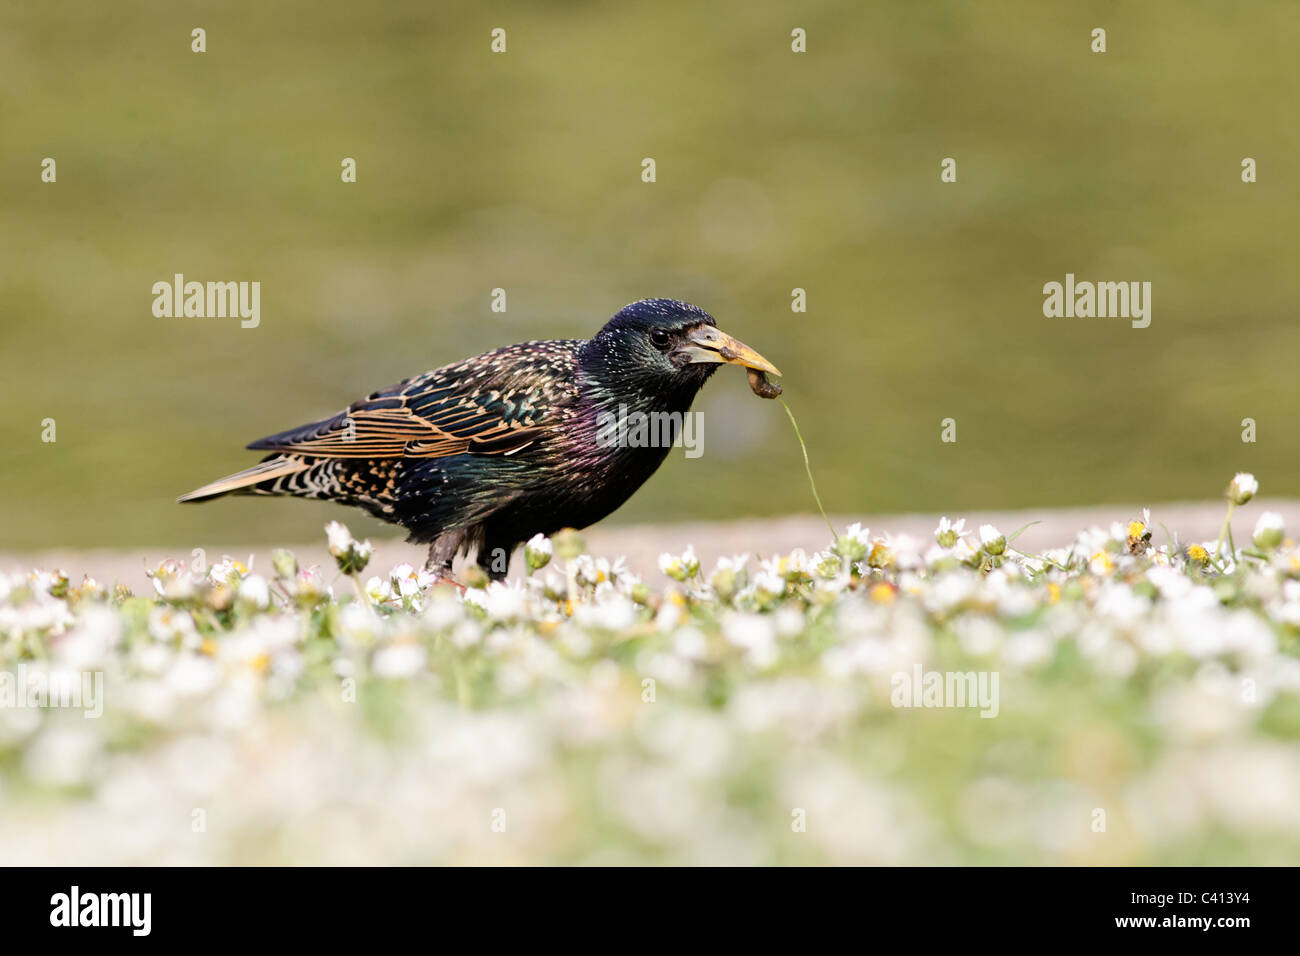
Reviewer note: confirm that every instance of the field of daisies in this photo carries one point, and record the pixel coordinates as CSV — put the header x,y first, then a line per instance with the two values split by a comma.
x,y
1126,698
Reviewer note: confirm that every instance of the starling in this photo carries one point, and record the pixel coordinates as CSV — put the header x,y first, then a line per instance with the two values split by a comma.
x,y
485,453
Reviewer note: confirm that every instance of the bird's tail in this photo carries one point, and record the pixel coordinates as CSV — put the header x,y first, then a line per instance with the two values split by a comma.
x,y
268,470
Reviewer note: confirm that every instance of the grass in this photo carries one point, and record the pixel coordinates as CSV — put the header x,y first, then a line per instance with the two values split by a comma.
x,y
1133,699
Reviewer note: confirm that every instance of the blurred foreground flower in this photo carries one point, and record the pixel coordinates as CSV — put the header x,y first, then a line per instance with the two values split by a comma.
x,y
992,540
1269,530
948,533
537,552
1242,488
352,556
676,721
680,567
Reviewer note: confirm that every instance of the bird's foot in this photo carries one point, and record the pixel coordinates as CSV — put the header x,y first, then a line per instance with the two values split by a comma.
x,y
441,579
442,575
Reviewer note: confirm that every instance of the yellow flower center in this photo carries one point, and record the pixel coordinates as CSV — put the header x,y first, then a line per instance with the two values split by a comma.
x,y
881,593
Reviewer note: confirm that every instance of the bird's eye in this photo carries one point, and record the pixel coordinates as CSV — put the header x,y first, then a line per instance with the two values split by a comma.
x,y
659,337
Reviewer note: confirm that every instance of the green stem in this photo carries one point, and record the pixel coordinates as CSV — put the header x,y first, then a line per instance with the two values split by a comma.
x,y
1218,548
361,594
463,696
807,467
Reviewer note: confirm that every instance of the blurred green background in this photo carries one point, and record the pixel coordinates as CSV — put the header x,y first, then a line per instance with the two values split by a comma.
x,y
775,171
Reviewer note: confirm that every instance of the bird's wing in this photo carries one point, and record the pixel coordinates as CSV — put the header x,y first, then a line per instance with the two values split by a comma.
x,y
495,404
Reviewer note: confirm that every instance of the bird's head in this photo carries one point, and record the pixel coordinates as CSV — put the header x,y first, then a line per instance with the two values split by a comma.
x,y
667,347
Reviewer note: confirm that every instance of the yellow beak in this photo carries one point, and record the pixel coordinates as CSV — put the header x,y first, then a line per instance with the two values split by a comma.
x,y
708,344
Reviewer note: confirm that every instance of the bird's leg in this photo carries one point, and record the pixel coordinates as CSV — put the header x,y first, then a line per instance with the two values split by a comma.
x,y
441,553
435,562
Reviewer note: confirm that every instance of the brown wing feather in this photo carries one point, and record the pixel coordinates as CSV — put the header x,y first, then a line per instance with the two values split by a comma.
x,y
481,407
381,434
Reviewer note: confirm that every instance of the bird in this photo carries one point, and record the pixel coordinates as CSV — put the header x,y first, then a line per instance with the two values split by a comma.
x,y
483,454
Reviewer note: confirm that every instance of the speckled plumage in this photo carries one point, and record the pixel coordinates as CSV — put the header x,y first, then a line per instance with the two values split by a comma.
x,y
486,452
